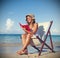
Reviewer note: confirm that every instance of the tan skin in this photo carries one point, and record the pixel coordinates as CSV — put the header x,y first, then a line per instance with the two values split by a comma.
x,y
26,38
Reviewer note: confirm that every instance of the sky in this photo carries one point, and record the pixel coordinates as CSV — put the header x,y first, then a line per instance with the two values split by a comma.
x,y
14,11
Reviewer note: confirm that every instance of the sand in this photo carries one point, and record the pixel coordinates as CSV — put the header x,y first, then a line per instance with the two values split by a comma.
x,y
35,55
43,55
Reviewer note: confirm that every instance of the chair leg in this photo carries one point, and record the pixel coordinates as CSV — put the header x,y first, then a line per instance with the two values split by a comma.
x,y
46,45
51,40
41,49
43,43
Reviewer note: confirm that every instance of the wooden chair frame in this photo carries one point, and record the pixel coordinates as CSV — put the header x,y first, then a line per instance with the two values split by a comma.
x,y
43,42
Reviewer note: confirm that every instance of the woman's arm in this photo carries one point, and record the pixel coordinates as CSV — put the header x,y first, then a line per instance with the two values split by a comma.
x,y
26,30
35,27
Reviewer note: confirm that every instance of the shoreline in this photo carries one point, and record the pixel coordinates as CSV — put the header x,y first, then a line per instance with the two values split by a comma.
x,y
9,44
19,44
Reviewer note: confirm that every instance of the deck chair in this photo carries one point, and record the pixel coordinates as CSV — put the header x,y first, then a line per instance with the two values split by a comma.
x,y
41,36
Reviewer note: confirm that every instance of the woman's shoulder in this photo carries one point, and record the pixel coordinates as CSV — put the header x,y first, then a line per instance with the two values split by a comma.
x,y
36,24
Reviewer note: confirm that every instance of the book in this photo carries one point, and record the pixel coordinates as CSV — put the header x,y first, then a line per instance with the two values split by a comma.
x,y
25,26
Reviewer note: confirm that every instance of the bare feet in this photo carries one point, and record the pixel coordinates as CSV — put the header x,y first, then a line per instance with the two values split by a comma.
x,y
21,52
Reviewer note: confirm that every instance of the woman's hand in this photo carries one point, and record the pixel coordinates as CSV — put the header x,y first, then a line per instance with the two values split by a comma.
x,y
27,31
24,29
31,34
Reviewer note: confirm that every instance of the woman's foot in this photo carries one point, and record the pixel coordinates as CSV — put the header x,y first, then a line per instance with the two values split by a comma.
x,y
21,52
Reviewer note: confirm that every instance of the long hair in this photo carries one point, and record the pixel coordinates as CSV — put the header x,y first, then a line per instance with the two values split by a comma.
x,y
32,19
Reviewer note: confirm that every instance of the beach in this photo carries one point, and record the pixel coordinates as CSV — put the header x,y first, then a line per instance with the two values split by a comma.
x,y
34,18
46,55
10,44
33,55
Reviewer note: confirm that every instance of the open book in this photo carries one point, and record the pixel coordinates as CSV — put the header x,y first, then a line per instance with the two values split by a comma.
x,y
25,26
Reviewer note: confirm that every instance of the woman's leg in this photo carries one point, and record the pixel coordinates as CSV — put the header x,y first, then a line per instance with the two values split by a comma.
x,y
23,39
28,39
23,42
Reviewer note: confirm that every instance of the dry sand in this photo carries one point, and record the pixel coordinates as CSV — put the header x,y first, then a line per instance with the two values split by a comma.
x,y
43,54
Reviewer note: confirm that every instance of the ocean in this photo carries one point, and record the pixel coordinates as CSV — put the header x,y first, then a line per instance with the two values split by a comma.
x,y
16,38
10,38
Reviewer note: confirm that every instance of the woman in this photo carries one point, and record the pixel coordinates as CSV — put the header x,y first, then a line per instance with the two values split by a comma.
x,y
26,38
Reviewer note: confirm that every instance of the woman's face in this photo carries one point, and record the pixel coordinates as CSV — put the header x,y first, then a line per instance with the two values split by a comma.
x,y
29,19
